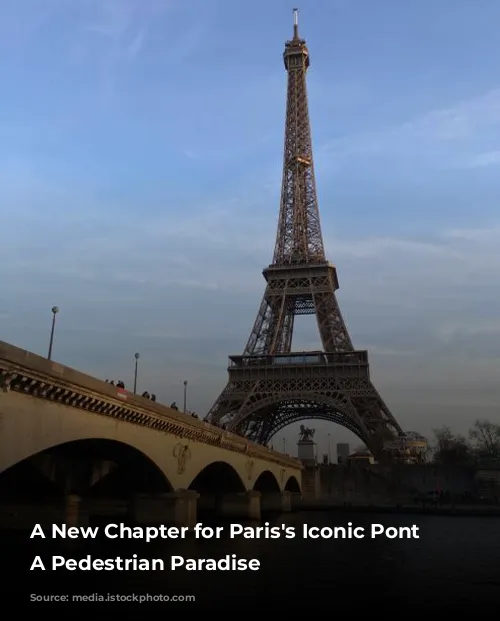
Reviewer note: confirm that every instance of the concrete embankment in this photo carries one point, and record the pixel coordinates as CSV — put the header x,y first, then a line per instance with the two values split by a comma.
x,y
461,510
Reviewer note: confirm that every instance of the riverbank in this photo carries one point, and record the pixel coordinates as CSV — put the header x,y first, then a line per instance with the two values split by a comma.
x,y
447,510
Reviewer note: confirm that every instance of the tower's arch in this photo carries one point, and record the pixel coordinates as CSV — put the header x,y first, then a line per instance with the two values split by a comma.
x,y
333,407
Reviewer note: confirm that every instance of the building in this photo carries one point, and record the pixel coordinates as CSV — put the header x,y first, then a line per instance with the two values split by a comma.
x,y
343,451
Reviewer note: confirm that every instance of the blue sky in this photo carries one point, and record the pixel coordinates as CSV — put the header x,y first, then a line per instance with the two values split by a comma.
x,y
140,168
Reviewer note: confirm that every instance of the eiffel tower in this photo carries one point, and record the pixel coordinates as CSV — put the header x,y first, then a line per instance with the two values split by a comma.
x,y
270,386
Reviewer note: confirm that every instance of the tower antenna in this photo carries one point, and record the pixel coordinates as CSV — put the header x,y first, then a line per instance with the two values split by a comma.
x,y
295,23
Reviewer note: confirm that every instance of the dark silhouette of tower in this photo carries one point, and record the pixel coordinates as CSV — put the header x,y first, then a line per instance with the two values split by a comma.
x,y
270,387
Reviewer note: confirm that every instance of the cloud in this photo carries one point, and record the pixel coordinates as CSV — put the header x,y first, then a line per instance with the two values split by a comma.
x,y
377,246
135,47
479,327
115,18
482,160
486,234
227,242
18,28
453,130
221,248
387,351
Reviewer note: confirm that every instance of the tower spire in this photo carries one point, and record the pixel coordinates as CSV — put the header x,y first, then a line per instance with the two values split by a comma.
x,y
299,237
295,24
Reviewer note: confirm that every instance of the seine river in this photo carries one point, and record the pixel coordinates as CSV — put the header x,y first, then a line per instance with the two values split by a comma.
x,y
456,561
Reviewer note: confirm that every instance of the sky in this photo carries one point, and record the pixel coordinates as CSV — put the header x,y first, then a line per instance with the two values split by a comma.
x,y
140,169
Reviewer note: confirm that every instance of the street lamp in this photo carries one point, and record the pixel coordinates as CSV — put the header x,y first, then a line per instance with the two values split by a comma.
x,y
55,310
284,446
136,356
329,449
185,395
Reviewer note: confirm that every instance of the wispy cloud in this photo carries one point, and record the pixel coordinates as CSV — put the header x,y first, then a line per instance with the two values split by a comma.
x,y
387,351
215,233
135,47
479,235
452,129
478,327
18,28
482,160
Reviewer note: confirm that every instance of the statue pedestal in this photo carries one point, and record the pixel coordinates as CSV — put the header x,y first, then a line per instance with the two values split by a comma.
x,y
306,451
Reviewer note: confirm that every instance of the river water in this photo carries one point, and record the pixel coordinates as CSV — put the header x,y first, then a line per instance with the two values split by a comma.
x,y
454,562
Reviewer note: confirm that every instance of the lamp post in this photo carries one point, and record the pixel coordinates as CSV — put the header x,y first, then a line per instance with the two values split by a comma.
x,y
185,395
284,446
136,356
55,310
329,449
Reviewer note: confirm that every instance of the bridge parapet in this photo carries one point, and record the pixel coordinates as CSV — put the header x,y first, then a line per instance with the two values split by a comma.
x,y
28,373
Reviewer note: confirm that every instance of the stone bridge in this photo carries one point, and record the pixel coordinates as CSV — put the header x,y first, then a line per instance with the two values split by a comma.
x,y
81,435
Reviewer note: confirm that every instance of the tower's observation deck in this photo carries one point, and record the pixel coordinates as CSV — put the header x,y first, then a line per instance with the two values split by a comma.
x,y
352,364
296,54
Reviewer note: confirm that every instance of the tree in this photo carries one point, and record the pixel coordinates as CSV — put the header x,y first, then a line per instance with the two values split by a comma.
x,y
451,448
485,436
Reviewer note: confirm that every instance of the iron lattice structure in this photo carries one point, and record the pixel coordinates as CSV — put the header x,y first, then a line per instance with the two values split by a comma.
x,y
270,387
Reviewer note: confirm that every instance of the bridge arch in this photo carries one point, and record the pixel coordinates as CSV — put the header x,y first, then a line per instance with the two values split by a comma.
x,y
266,482
217,477
292,485
332,406
94,466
